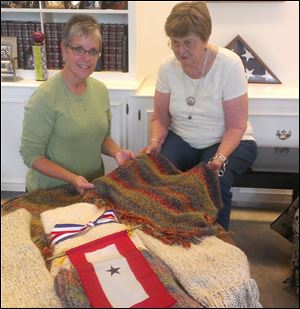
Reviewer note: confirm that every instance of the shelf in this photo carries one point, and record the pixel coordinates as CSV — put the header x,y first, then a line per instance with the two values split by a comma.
x,y
112,80
41,16
25,10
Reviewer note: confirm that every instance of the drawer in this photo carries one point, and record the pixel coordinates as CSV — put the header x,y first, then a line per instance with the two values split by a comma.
x,y
275,130
277,159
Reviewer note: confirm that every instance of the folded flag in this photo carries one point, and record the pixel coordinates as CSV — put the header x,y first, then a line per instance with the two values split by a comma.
x,y
64,231
115,274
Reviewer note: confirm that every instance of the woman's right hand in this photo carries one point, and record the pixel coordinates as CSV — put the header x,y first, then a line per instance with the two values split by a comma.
x,y
153,147
81,184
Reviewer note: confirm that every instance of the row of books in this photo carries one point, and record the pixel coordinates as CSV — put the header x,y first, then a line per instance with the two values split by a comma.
x,y
115,5
114,54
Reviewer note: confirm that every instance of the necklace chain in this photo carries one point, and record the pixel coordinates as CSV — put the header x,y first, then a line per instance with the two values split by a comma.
x,y
190,100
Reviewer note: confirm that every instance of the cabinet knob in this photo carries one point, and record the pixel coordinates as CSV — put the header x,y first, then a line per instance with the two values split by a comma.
x,y
283,134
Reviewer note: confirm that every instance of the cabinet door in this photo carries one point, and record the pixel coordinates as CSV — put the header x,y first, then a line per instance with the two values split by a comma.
x,y
117,132
13,170
139,111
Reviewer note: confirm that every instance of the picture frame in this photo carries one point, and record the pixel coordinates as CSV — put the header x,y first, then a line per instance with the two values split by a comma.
x,y
9,59
9,47
255,69
9,54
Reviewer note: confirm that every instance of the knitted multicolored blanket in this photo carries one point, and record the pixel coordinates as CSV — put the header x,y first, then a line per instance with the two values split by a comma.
x,y
173,206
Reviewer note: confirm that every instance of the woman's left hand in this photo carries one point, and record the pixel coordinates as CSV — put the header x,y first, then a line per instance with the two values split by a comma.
x,y
124,155
215,164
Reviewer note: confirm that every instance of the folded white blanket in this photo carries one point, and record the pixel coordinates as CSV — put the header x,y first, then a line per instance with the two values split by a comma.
x,y
25,280
213,272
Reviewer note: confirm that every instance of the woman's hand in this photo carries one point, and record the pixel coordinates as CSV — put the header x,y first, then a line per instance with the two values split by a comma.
x,y
215,164
153,147
81,184
124,155
218,163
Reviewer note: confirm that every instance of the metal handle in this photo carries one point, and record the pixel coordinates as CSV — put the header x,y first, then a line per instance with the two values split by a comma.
x,y
283,134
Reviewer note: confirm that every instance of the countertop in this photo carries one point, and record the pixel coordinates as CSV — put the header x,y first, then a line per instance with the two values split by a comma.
x,y
255,91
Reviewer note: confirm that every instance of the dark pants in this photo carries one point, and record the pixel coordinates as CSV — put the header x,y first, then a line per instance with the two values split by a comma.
x,y
184,157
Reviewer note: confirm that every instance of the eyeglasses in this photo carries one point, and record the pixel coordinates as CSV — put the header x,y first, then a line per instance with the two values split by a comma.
x,y
187,45
80,51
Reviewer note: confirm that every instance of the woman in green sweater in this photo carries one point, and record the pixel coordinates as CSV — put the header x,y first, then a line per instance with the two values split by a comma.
x,y
67,121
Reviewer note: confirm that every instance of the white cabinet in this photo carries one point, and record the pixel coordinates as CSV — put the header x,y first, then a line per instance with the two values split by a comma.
x,y
13,170
273,114
104,16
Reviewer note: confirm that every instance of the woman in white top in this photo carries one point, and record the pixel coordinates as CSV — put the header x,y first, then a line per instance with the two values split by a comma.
x,y
201,103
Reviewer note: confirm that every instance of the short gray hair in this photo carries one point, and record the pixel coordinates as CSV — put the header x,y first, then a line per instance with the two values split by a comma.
x,y
81,25
189,17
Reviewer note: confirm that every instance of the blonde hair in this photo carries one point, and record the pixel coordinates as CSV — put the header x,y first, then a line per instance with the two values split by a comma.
x,y
189,17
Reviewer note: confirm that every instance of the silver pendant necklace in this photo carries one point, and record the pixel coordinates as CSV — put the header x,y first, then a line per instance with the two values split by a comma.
x,y
190,100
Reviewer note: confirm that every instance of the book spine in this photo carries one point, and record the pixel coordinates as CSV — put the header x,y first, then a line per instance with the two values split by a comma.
x,y
4,28
112,47
125,50
60,32
105,47
55,46
47,29
119,46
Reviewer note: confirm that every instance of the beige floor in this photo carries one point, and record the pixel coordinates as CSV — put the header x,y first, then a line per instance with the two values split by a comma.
x,y
269,254
253,215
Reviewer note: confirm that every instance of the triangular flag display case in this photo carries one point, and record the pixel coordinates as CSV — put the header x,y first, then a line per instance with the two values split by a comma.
x,y
255,69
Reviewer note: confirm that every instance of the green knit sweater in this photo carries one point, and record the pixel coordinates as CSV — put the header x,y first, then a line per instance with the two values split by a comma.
x,y
67,129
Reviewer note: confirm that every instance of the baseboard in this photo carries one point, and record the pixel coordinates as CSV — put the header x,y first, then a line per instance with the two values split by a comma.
x,y
250,196
15,185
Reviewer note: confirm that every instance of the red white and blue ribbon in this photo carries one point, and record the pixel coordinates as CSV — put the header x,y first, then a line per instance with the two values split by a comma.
x,y
61,232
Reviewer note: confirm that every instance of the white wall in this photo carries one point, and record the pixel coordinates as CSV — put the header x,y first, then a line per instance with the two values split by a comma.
x,y
271,29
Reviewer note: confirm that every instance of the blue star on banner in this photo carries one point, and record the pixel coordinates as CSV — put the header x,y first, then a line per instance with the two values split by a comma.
x,y
255,69
113,270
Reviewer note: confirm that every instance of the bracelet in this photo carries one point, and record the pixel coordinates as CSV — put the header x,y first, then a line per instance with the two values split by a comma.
x,y
155,140
219,156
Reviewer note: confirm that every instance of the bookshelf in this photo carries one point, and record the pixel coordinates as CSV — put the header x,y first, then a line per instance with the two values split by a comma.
x,y
41,17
